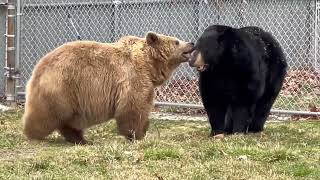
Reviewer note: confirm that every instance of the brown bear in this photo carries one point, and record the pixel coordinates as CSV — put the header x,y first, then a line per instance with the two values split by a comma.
x,y
84,83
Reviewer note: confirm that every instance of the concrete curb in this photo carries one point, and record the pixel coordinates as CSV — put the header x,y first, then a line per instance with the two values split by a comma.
x,y
179,117
4,108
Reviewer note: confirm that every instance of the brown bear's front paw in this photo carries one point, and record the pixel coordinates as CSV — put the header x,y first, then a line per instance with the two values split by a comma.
x,y
80,142
85,142
132,136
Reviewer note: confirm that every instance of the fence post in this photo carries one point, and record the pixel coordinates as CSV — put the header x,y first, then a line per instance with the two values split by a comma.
x,y
10,72
316,34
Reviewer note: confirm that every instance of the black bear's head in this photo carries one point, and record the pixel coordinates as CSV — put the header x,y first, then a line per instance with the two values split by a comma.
x,y
209,47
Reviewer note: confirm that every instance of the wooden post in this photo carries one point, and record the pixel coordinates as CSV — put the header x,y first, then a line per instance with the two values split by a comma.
x,y
10,53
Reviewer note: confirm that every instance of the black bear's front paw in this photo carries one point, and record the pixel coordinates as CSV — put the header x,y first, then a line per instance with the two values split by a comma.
x,y
218,135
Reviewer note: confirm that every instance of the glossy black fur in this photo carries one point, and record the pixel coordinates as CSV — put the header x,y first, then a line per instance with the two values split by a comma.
x,y
246,71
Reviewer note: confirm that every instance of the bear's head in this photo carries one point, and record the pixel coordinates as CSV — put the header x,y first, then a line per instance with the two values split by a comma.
x,y
210,47
168,48
167,53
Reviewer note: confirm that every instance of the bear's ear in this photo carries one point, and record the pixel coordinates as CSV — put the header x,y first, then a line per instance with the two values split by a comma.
x,y
152,39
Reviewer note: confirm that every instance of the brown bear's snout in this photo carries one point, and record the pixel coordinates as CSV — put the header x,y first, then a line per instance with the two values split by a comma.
x,y
188,50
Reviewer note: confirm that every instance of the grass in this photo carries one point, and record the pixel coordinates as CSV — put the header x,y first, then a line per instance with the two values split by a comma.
x,y
171,150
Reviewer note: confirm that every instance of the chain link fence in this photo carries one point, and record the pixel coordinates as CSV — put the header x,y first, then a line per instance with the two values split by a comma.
x,y
47,24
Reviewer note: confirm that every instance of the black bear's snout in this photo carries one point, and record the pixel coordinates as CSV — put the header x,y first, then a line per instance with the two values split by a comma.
x,y
193,58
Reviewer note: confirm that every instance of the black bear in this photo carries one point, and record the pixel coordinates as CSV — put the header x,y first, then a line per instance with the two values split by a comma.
x,y
241,74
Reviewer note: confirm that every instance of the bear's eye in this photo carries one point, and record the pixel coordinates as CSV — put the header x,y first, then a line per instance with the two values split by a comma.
x,y
177,43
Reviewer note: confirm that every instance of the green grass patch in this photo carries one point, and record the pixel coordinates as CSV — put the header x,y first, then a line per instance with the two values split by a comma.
x,y
171,150
161,154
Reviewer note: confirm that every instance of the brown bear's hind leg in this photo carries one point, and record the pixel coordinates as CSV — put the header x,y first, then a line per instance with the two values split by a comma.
x,y
37,126
73,135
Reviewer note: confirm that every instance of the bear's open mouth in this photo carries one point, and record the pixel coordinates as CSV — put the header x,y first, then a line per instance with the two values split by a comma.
x,y
202,68
187,54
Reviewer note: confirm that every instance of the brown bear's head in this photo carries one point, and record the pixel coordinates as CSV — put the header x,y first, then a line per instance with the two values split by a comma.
x,y
169,49
167,53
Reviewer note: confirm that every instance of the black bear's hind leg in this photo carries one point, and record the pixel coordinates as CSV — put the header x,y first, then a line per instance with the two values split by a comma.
x,y
216,117
241,117
262,112
228,121
265,103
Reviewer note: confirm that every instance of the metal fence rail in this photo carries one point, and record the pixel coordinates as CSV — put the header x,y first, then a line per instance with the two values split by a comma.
x,y
46,24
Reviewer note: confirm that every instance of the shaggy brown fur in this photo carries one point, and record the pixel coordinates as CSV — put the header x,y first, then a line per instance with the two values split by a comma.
x,y
84,83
